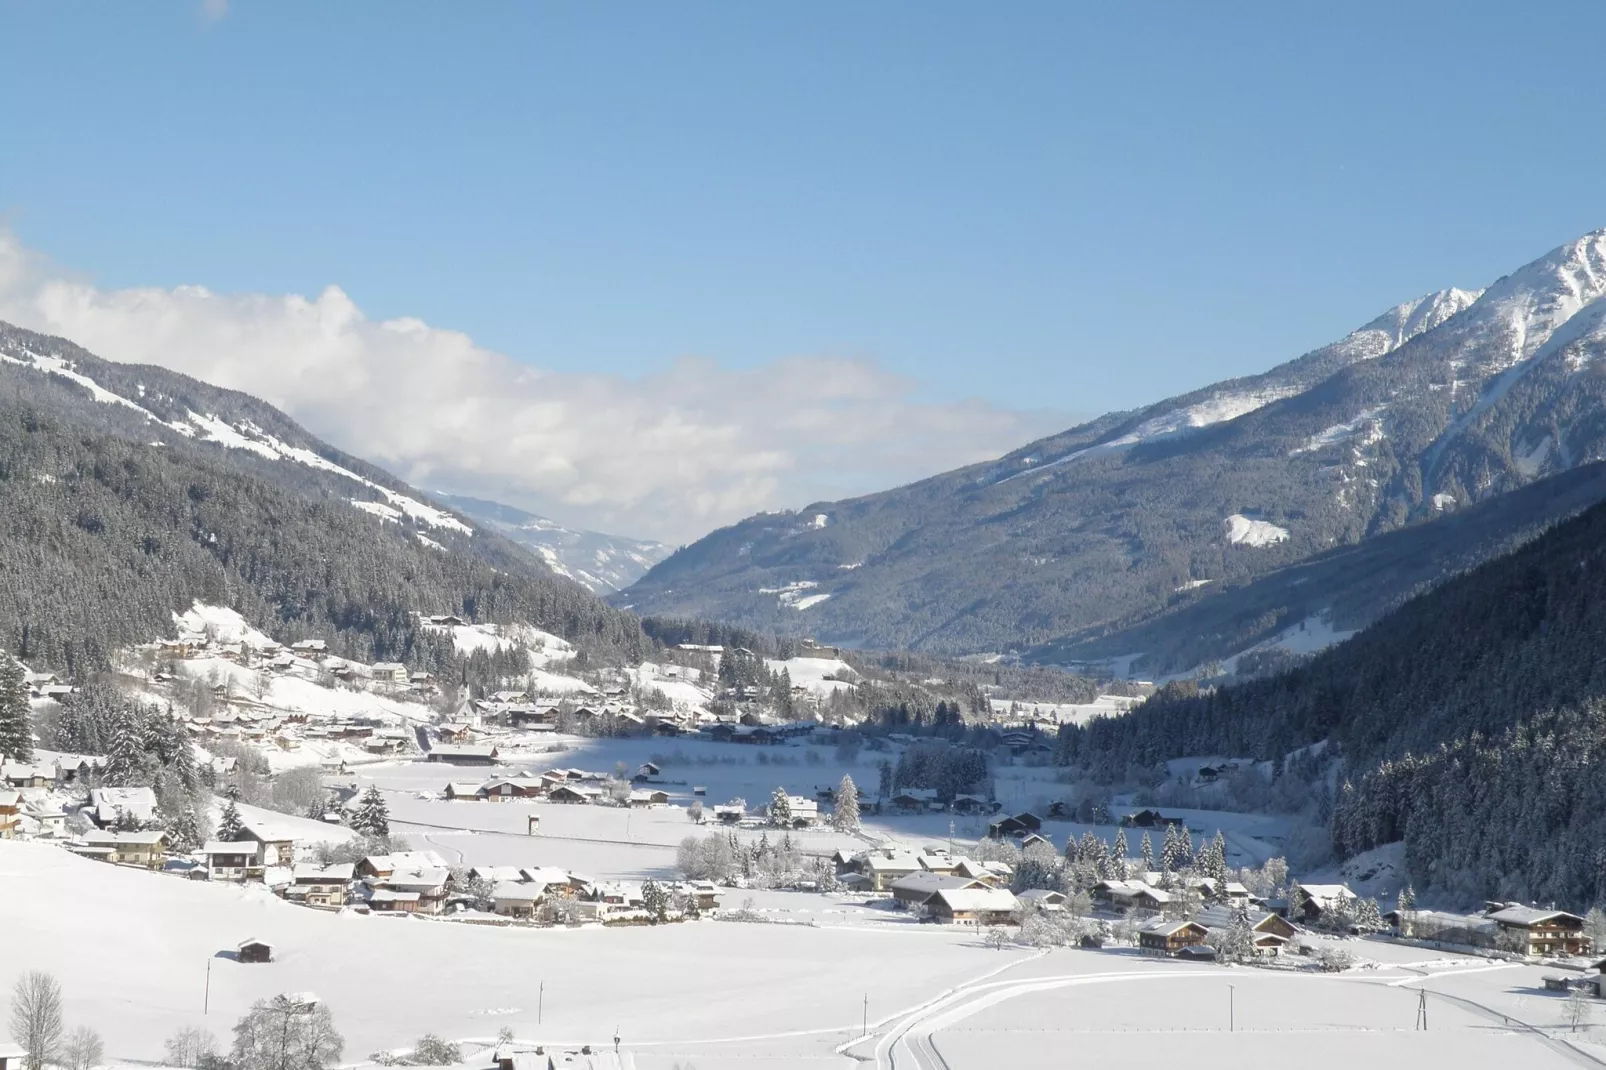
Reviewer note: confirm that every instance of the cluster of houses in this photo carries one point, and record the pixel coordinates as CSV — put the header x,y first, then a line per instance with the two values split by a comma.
x,y
28,806
571,786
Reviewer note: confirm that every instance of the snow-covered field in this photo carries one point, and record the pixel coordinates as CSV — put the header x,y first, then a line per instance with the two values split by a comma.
x,y
132,950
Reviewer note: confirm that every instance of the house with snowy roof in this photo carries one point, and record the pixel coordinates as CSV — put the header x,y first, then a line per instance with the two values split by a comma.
x,y
517,899
1166,936
915,890
973,906
1541,931
108,805
236,860
463,754
147,849
322,886
10,813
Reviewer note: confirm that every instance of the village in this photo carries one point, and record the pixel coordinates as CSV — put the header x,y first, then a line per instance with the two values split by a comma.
x,y
630,805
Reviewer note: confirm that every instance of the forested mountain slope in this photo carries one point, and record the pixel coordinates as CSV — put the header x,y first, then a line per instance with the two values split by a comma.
x,y
1254,626
603,563
1471,723
1442,402
131,491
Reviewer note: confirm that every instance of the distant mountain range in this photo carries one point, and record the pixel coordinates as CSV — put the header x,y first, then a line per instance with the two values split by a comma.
x,y
131,491
1078,540
602,563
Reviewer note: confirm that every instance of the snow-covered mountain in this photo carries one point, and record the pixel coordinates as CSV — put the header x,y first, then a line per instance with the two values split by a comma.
x,y
603,563
132,492
1450,399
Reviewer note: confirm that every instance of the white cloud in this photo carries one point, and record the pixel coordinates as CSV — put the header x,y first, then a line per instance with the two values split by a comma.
x,y
669,455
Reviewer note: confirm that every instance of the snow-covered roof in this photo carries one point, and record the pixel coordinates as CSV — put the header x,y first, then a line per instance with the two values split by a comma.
x,y
1327,893
1526,916
138,803
336,871
226,847
994,899
1169,926
518,891
270,831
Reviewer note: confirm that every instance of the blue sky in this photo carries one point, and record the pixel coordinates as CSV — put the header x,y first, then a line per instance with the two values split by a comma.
x,y
1043,206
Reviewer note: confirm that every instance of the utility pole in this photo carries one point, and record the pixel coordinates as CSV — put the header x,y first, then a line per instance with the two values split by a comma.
x,y
1422,1008
206,1004
540,1003
864,1030
950,836
1232,1008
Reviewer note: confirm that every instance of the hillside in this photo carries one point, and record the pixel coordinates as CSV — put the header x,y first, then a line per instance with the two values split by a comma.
x,y
132,492
1440,403
1251,627
1471,724
601,563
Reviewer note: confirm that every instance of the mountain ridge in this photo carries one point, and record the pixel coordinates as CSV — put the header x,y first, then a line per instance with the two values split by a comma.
x,y
1437,403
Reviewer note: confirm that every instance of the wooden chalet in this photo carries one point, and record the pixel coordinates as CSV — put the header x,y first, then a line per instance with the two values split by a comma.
x,y
253,950
1166,937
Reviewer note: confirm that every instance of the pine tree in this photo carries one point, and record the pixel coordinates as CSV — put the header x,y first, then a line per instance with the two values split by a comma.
x,y
1368,919
126,757
16,726
845,817
1407,900
1146,846
230,826
372,816
1213,860
184,832
1118,862
655,900
780,809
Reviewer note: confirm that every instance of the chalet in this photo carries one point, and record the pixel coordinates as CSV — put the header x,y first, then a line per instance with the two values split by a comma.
x,y
517,899
253,951
322,886
129,848
1045,899
974,906
463,754
1166,937
970,804
310,646
1135,895
884,866
532,716
805,811
1196,953
1317,899
1542,932
393,902
455,732
380,867
1014,825
463,791
48,819
506,789
647,771
1034,839
729,813
574,794
10,814
912,800
915,890
390,673
993,873
1270,932
232,861
938,862
645,798
427,883
703,893
1151,819
278,841
110,805
20,775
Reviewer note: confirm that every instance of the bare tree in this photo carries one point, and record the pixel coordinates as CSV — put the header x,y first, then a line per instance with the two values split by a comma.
x,y
1579,1009
284,1034
83,1050
36,1017
189,1047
